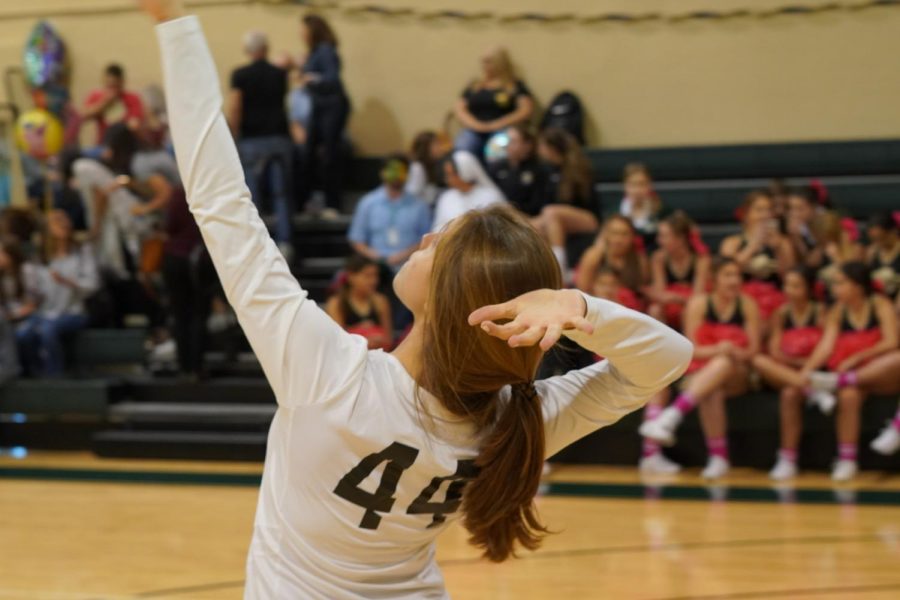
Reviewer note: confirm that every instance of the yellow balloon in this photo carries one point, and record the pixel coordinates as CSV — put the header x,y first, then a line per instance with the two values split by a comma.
x,y
39,134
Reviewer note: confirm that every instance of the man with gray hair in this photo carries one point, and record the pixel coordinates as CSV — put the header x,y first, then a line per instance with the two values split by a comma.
x,y
256,115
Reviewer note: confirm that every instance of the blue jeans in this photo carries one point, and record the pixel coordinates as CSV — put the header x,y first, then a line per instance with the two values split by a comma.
x,y
268,161
39,340
472,141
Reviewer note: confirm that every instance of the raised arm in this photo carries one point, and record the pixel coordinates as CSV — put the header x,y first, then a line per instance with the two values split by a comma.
x,y
304,354
642,357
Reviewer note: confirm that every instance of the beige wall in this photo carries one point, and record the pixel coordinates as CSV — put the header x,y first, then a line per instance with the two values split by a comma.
x,y
831,76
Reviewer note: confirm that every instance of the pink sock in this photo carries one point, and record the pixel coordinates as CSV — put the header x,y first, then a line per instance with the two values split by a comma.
x,y
896,422
847,379
717,447
847,451
649,448
651,411
788,454
685,402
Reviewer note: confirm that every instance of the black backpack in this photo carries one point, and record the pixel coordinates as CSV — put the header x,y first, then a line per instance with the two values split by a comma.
x,y
565,112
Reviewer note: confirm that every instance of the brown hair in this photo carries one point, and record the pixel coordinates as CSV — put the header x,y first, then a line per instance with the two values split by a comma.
x,y
12,247
320,32
751,199
631,275
421,152
490,256
636,168
576,175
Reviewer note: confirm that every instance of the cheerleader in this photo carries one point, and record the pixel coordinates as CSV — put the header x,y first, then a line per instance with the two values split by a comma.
x,y
725,328
859,347
619,247
796,330
370,455
680,268
358,307
761,251
883,254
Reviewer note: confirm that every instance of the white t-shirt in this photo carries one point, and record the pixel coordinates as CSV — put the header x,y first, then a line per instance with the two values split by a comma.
x,y
347,422
453,203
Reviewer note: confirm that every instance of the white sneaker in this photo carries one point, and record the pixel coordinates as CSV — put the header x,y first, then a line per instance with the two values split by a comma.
x,y
887,442
716,468
844,470
825,400
662,428
783,469
823,380
657,464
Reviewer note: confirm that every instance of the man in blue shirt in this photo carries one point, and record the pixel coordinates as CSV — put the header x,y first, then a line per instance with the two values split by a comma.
x,y
389,223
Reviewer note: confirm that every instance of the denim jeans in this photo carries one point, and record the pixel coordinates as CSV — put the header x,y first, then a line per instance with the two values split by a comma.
x,y
267,163
40,342
472,141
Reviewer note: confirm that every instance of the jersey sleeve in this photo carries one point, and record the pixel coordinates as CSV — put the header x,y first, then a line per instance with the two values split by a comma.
x,y
306,357
642,357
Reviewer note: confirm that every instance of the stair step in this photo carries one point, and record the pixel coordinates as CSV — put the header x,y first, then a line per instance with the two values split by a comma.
x,y
194,445
206,413
227,390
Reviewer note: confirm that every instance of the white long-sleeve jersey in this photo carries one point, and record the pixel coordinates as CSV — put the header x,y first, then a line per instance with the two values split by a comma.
x,y
359,479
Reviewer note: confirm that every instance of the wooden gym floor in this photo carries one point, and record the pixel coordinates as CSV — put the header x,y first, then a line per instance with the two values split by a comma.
x,y
74,527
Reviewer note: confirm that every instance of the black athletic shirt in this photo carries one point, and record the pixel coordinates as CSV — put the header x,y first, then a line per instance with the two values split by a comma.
x,y
488,104
736,319
522,185
263,87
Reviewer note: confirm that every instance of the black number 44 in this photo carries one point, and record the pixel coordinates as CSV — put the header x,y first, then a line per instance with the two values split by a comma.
x,y
400,457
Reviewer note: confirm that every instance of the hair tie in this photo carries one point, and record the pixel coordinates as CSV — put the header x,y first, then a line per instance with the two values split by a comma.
x,y
850,228
639,244
896,215
524,390
821,192
696,242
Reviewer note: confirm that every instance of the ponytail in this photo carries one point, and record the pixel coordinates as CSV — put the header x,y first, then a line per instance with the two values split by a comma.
x,y
499,504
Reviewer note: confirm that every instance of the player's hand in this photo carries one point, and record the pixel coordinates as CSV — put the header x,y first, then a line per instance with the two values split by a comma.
x,y
848,363
162,10
538,317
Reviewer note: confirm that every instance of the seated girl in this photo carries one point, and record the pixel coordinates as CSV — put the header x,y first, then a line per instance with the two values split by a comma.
x,y
608,285
571,205
641,204
358,307
425,178
883,254
469,187
679,268
761,251
796,329
859,347
725,329
619,247
838,238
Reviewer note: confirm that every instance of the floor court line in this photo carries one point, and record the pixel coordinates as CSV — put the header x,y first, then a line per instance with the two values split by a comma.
x,y
884,587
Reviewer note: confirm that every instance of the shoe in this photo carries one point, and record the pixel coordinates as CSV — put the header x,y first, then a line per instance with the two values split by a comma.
x,y
662,428
657,464
825,400
716,468
329,214
844,470
888,441
783,469
822,380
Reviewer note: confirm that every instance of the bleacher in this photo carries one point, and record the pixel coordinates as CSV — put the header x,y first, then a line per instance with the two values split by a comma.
x,y
112,406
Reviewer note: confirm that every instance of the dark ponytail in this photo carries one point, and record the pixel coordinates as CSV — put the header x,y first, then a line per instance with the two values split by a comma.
x,y
496,515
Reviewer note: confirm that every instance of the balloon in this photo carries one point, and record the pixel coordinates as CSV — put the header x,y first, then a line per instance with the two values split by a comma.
x,y
495,149
45,57
39,134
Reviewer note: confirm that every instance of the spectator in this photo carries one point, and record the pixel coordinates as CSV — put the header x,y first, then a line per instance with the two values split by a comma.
x,y
802,209
571,206
113,104
618,246
761,251
358,307
493,102
796,330
883,255
779,191
679,269
608,285
389,222
70,277
839,239
330,109
725,329
519,176
640,204
470,188
20,282
256,115
190,282
425,178
156,121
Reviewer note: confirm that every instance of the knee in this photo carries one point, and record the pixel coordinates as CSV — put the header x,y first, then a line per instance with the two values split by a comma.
x,y
791,396
760,361
850,399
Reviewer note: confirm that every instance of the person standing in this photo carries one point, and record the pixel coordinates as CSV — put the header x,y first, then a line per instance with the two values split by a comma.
x,y
330,110
258,121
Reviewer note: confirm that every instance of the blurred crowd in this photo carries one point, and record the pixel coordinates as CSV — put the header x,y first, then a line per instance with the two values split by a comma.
x,y
802,299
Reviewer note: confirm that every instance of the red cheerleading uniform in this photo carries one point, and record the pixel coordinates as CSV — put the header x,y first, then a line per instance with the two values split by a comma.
x,y
798,340
764,290
715,330
683,285
852,340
